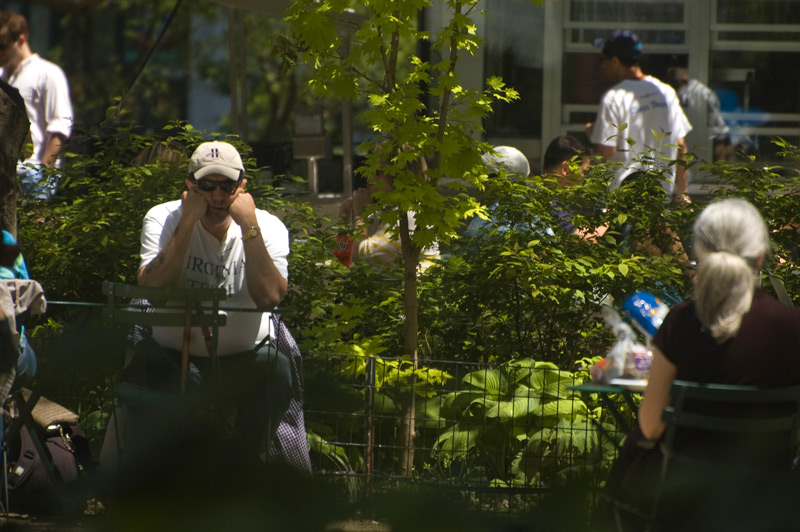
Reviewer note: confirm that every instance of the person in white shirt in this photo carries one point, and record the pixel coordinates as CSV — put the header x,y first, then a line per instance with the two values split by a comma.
x,y
634,108
214,236
702,107
43,85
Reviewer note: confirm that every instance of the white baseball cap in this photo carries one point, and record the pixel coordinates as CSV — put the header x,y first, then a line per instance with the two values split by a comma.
x,y
509,159
216,158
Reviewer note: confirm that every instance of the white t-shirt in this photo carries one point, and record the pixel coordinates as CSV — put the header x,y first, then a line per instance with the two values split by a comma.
x,y
701,105
211,263
645,105
43,86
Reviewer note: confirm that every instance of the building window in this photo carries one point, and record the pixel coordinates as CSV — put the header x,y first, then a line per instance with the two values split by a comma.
x,y
514,50
753,44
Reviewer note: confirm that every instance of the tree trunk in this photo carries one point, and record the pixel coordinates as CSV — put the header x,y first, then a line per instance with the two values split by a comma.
x,y
407,426
14,130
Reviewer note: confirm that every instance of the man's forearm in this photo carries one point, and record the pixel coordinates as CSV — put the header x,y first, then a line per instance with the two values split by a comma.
x,y
606,152
265,284
165,268
55,141
681,176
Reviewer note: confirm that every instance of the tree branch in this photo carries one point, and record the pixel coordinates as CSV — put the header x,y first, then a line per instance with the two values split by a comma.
x,y
395,47
445,103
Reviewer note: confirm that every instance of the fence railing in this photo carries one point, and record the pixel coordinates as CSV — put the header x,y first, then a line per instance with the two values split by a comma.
x,y
502,434
512,431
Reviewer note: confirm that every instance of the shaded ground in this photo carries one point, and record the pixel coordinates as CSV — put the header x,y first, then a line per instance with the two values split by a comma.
x,y
30,524
360,525
199,484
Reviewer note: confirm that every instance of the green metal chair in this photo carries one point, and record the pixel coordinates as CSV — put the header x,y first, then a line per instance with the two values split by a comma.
x,y
145,307
721,444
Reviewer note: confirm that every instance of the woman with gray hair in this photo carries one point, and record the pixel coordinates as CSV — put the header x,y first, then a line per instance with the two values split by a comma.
x,y
730,242
732,332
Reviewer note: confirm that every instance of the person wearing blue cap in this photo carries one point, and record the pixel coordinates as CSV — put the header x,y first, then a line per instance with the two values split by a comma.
x,y
641,108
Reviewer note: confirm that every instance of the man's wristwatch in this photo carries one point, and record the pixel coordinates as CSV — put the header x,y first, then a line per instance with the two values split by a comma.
x,y
251,233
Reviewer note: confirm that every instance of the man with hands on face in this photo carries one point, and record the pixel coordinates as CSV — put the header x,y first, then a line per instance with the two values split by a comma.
x,y
214,236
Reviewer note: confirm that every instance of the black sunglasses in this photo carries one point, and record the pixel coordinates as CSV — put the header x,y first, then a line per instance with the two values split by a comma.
x,y
209,186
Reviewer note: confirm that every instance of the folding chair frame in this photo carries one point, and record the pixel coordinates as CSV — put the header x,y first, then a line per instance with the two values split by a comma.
x,y
676,416
166,307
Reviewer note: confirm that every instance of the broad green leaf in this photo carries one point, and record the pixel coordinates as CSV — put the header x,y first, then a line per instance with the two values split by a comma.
x,y
455,404
542,378
490,380
519,407
578,434
562,407
455,442
428,414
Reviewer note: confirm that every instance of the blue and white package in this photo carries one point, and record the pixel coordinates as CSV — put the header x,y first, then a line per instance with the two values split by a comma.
x,y
627,358
646,312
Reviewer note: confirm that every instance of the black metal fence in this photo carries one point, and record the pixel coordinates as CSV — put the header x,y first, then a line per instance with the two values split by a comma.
x,y
502,435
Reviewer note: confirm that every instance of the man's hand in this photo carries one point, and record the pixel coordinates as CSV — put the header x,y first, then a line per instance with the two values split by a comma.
x,y
346,210
361,198
193,206
682,200
265,284
243,210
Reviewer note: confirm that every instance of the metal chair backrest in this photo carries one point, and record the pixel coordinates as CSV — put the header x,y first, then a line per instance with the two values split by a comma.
x,y
169,307
715,431
780,412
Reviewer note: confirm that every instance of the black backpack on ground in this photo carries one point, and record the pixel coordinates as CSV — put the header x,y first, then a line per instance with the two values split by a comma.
x,y
31,489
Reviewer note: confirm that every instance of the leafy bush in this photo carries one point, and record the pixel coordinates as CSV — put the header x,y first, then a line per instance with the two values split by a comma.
x,y
90,232
530,291
527,290
517,425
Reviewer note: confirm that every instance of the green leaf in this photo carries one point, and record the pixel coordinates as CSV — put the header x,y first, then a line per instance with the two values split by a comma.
x,y
521,406
562,407
455,442
429,414
543,379
490,380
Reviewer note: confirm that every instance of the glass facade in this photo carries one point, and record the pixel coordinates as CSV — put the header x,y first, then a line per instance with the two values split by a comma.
x,y
744,51
758,11
754,50
621,12
515,51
